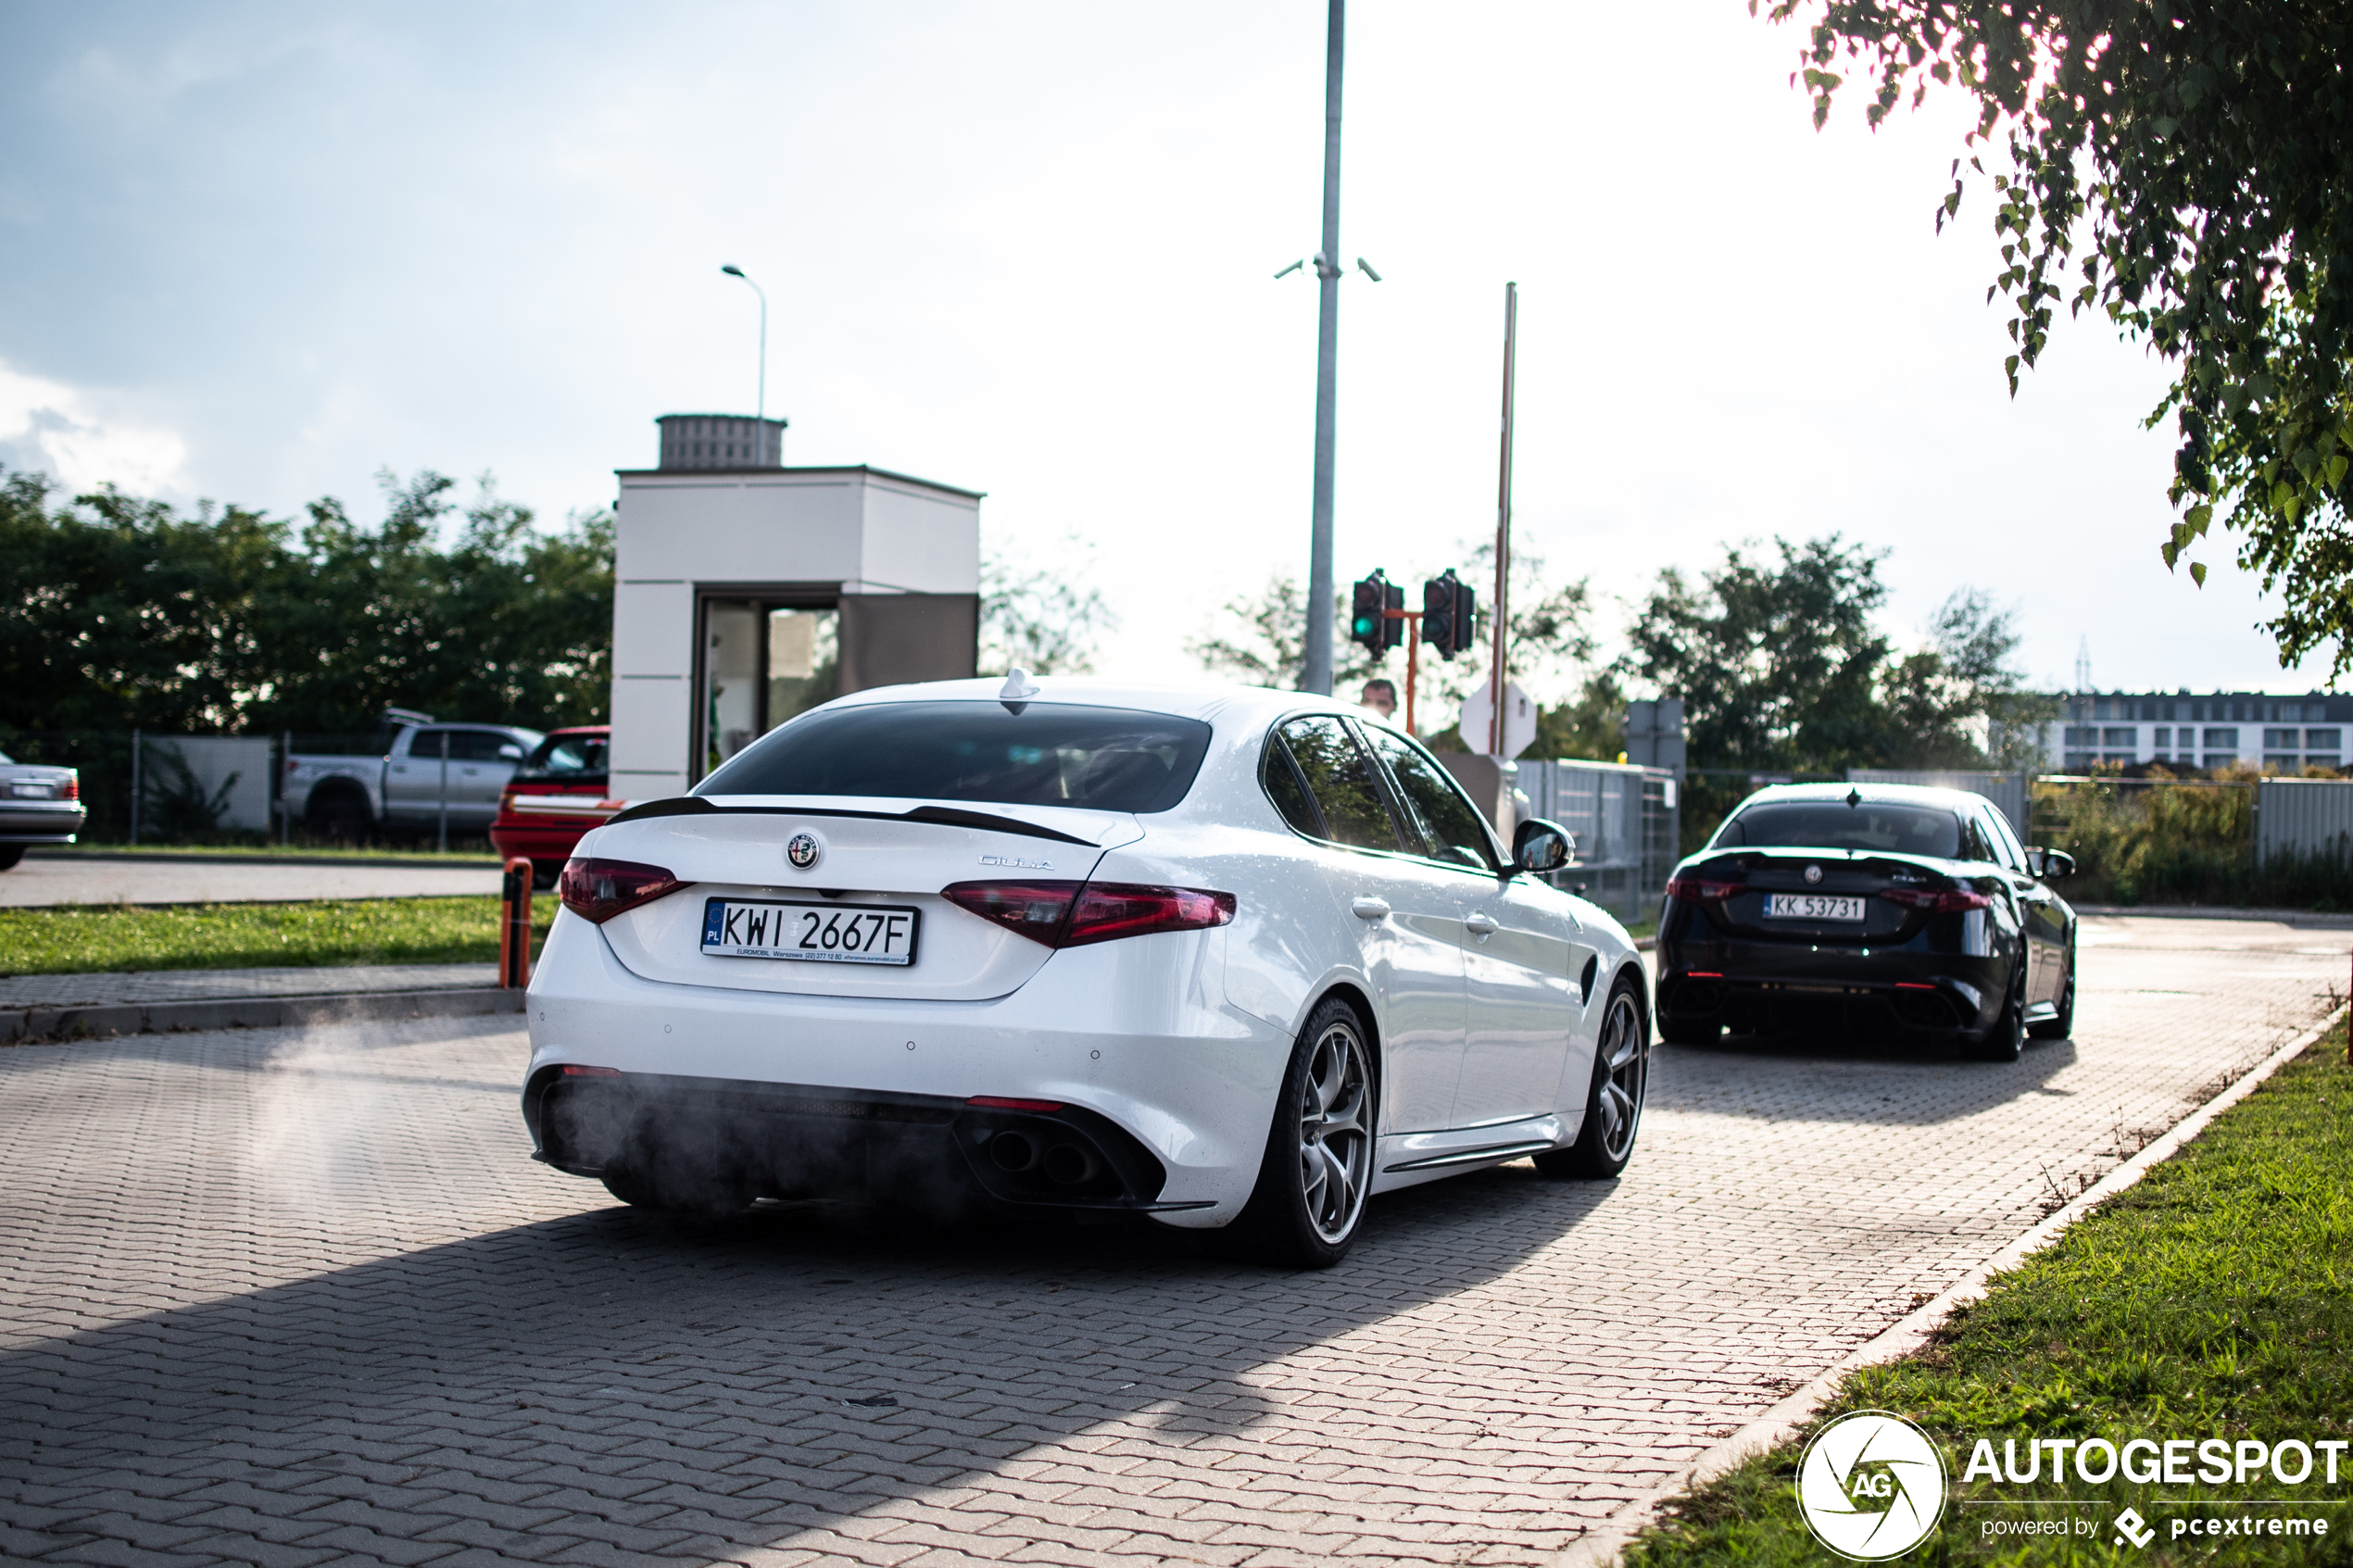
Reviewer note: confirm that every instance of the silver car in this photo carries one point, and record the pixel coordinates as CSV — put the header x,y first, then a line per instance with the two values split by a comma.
x,y
39,804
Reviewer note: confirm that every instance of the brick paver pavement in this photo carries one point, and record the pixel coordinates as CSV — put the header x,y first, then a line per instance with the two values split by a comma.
x,y
291,1298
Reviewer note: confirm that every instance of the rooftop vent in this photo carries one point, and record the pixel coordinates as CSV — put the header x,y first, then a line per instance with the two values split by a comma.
x,y
720,440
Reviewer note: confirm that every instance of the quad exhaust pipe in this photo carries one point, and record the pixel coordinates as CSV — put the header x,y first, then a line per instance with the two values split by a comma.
x,y
1064,1164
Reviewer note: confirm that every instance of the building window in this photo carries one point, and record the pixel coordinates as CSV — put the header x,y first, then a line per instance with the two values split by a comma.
x,y
2220,759
2120,735
2279,762
2077,760
2279,740
2164,739
2213,738
2082,734
2324,740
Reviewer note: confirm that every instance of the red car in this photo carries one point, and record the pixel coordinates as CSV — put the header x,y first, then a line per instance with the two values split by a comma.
x,y
556,795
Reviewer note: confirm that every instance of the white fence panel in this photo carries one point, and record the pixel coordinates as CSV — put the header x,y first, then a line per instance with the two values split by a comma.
x,y
2303,817
212,761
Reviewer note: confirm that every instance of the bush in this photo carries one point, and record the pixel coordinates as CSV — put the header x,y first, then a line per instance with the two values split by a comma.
x,y
2164,841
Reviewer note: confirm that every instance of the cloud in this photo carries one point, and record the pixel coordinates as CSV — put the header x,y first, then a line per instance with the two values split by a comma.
x,y
49,426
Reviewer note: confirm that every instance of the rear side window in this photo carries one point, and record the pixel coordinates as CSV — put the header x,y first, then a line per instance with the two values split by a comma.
x,y
1340,777
1833,824
565,759
1048,753
1450,829
482,745
1284,787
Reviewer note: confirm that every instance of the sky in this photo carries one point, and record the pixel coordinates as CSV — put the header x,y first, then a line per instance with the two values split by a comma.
x,y
256,253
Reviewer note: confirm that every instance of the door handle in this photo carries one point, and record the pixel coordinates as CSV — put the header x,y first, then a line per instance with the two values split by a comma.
x,y
1368,909
1481,925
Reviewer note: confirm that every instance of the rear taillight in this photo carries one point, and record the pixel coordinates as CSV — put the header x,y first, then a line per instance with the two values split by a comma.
x,y
1937,900
1037,909
73,788
597,890
1072,914
1691,888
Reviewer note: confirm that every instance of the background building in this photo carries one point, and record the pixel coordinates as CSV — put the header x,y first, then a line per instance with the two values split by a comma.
x,y
746,592
2282,734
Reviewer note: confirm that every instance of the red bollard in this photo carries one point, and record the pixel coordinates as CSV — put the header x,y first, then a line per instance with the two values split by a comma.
x,y
514,925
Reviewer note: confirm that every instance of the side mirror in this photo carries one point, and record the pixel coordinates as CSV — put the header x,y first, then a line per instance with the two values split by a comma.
x,y
1540,846
2050,863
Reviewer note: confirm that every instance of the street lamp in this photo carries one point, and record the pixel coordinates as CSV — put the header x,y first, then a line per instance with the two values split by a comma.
x,y
734,272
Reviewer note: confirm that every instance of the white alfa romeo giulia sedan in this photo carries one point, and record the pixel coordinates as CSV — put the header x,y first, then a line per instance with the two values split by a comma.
x,y
1231,958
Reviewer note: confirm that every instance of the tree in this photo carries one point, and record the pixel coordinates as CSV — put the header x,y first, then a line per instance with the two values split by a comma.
x,y
1041,619
1782,669
1263,642
2201,153
1777,665
117,612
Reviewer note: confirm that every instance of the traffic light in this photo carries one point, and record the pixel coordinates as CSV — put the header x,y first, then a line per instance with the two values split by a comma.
x,y
1450,615
1367,624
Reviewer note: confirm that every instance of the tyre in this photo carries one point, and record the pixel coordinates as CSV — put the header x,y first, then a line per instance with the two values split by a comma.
x,y
1319,1169
1686,1033
1614,1104
339,819
2007,1037
10,855
2061,1023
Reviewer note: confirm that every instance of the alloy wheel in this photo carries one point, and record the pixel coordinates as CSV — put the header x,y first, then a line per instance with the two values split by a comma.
x,y
1335,1132
1626,1060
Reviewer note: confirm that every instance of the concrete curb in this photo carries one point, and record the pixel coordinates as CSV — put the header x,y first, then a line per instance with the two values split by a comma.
x,y
33,1025
272,857
2300,920
1602,1545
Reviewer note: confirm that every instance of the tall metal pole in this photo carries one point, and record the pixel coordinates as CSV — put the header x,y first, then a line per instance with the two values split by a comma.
x,y
1317,676
1497,675
761,416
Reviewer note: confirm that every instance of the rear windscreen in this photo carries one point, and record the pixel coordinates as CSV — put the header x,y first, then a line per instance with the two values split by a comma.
x,y
565,759
1049,754
1833,824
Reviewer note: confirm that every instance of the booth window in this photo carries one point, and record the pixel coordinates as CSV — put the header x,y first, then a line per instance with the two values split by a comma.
x,y
762,664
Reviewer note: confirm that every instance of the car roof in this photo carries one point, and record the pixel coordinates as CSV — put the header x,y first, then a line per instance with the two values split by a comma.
x,y
1886,793
1207,700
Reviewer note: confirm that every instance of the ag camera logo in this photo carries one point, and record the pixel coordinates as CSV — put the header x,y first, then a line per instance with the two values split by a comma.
x,y
1871,1485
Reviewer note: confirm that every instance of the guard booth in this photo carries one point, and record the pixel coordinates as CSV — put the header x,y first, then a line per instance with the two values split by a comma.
x,y
746,592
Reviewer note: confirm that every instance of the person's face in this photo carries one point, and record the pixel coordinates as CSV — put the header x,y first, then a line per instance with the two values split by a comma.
x,y
1378,697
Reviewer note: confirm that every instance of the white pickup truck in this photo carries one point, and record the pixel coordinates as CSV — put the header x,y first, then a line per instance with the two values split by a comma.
x,y
412,787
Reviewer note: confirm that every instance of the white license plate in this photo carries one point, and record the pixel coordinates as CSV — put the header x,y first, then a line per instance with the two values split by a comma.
x,y
1811,906
30,791
760,928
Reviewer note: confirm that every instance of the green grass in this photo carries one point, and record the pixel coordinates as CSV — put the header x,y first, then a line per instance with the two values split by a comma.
x,y
2212,1299
321,932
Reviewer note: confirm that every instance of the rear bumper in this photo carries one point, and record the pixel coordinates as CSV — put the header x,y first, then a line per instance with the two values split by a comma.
x,y
1772,988
1134,1038
28,821
551,841
794,1140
